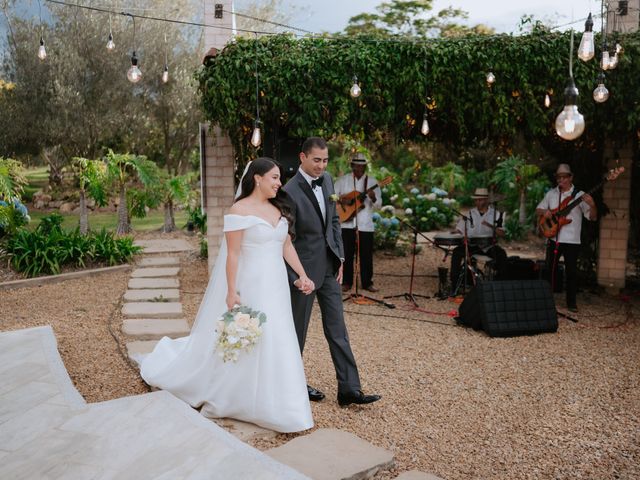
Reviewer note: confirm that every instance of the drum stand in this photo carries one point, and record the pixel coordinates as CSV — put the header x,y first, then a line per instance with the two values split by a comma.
x,y
410,296
467,268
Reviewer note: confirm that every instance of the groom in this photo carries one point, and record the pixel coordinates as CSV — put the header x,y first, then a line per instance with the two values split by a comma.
x,y
318,241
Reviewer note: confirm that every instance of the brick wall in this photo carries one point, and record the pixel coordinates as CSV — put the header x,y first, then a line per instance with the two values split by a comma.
x,y
614,227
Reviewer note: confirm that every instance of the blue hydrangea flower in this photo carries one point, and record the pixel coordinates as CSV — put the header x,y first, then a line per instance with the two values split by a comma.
x,y
406,201
438,191
395,221
386,222
376,216
414,191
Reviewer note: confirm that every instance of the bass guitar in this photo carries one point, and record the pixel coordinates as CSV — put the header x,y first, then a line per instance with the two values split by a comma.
x,y
549,227
352,202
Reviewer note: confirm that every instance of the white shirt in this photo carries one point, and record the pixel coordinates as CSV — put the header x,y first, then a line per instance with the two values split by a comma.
x,y
479,229
317,191
347,184
569,233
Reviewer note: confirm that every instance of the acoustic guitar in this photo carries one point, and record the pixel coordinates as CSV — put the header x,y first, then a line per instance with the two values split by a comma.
x,y
549,227
352,202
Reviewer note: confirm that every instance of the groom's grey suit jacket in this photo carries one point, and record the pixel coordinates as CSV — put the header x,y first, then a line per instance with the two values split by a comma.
x,y
314,235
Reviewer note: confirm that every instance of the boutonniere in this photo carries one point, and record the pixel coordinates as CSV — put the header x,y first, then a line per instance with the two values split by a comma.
x,y
334,197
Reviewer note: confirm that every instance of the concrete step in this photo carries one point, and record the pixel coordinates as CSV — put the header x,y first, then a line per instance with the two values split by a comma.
x,y
140,347
155,272
152,295
416,475
330,454
155,328
154,283
154,261
243,430
152,310
164,246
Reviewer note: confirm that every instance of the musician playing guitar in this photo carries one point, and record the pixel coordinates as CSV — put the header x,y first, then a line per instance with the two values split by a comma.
x,y
357,230
566,241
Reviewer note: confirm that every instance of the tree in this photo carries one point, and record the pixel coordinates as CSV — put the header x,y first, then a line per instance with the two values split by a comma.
x,y
173,190
127,169
91,178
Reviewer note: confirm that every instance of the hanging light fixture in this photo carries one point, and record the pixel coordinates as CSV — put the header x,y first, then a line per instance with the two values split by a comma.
x,y
134,74
587,48
570,122
491,78
605,62
424,128
165,72
256,136
425,125
547,100
601,94
355,90
42,52
613,61
110,44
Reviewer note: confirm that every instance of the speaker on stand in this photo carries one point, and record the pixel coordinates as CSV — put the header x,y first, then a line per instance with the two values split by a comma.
x,y
510,308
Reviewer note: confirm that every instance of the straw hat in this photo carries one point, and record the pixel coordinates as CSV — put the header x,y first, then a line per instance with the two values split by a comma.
x,y
564,169
359,159
480,193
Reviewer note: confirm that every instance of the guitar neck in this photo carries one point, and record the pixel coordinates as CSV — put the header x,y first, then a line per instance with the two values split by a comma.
x,y
576,202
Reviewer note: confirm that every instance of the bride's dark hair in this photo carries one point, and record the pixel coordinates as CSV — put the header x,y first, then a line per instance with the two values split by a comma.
x,y
260,166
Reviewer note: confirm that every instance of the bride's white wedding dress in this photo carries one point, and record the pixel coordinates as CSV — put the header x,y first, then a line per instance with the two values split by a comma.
x,y
266,386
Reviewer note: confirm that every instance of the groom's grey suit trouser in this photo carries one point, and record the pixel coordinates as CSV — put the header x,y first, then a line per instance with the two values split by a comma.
x,y
319,248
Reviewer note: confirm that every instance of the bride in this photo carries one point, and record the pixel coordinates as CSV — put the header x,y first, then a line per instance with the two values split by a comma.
x,y
266,386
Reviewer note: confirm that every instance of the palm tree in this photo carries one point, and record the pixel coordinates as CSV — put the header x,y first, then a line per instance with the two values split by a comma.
x,y
173,189
124,169
91,176
515,172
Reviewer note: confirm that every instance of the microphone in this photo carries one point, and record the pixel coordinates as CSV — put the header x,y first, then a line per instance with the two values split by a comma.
x,y
471,219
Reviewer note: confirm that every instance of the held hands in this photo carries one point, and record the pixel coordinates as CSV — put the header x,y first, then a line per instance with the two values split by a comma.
x,y
305,284
233,299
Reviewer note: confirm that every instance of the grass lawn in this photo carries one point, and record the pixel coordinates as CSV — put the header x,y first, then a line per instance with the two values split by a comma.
x,y
153,221
38,178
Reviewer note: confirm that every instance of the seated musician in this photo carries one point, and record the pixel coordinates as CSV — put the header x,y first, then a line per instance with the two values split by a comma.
x,y
483,228
360,226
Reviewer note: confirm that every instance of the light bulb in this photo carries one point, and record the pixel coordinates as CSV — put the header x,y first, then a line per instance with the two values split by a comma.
x,y
587,49
604,63
491,78
256,136
570,122
110,45
601,94
165,74
547,100
355,90
425,125
613,61
619,48
134,75
42,52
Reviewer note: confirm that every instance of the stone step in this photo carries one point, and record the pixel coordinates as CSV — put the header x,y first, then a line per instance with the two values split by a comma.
x,y
139,347
152,295
416,475
152,309
155,272
153,261
155,328
330,454
164,246
243,430
154,283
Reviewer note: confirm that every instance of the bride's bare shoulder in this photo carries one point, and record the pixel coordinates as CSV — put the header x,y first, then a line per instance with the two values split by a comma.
x,y
240,208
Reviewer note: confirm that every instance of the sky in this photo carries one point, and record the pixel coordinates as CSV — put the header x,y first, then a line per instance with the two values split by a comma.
x,y
503,16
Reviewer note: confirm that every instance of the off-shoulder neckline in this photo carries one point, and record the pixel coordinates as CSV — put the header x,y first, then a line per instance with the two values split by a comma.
x,y
259,218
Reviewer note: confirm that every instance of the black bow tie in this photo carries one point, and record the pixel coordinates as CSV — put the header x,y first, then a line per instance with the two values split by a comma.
x,y
317,182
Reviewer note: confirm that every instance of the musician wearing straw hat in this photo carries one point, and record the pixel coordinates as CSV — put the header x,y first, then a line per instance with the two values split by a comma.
x,y
357,232
566,242
484,226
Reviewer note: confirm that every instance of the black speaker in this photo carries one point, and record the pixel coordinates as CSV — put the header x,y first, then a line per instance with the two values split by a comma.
x,y
510,308
520,269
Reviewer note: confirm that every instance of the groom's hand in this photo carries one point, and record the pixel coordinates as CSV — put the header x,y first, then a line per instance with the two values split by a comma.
x,y
339,276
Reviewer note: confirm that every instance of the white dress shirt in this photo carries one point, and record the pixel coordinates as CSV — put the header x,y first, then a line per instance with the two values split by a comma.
x,y
569,233
317,191
479,228
347,184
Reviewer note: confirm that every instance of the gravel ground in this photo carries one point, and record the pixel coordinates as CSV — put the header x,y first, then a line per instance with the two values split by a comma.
x,y
455,402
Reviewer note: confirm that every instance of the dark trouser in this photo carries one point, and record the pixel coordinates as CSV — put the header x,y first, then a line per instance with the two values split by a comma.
x,y
569,251
333,325
366,256
496,252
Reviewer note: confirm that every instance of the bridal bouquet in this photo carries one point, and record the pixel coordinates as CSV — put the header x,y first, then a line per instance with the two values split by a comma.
x,y
238,329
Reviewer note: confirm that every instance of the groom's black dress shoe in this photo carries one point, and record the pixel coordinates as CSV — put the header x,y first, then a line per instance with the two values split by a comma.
x,y
358,397
314,395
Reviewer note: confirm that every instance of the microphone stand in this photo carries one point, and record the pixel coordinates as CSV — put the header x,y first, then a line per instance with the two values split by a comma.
x,y
466,265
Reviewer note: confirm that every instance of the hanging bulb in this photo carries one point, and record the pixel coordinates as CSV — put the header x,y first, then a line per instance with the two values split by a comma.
x,y
491,78
256,136
547,100
613,61
165,74
110,45
570,122
604,63
42,52
601,94
355,88
619,48
425,125
587,49
134,74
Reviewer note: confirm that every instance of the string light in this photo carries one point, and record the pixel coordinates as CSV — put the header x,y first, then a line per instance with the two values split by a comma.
x,y
165,72
601,94
256,136
42,52
587,48
134,74
424,129
547,100
491,78
355,90
570,122
110,44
